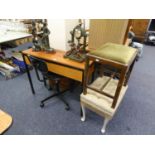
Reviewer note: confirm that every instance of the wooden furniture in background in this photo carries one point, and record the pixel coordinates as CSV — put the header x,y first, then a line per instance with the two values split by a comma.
x,y
5,121
107,30
140,27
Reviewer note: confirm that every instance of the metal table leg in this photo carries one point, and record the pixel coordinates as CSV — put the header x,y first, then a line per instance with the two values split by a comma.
x,y
28,74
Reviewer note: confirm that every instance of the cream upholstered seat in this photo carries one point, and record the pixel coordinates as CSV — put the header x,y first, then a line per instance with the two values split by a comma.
x,y
105,94
99,103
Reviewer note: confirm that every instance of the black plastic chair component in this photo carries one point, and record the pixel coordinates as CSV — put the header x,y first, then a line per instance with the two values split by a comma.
x,y
41,66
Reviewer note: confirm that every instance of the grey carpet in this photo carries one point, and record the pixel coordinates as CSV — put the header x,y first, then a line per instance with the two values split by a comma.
x,y
135,115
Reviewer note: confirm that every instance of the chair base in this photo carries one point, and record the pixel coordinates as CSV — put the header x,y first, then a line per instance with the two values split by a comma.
x,y
67,107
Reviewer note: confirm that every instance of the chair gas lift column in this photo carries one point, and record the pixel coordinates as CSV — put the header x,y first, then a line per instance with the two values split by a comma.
x,y
106,92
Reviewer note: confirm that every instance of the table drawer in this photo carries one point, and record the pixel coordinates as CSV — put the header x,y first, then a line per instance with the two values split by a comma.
x,y
65,71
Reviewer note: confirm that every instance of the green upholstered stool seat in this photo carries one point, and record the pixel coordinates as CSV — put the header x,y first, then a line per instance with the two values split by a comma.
x,y
115,52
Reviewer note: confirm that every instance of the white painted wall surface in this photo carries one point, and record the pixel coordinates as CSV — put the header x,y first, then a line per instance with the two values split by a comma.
x,y
60,32
87,23
57,36
69,25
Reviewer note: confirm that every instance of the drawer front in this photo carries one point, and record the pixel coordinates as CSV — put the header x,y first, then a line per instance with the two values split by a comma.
x,y
65,71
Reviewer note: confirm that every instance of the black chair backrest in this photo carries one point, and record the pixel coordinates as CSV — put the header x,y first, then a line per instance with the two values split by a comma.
x,y
39,64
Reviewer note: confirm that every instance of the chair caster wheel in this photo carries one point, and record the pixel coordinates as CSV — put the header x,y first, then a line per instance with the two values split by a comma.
x,y
42,105
67,108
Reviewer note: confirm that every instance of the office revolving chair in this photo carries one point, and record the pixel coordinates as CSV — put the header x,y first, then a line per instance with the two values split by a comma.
x,y
41,66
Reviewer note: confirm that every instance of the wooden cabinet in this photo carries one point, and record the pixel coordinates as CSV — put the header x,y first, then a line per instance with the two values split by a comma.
x,y
140,27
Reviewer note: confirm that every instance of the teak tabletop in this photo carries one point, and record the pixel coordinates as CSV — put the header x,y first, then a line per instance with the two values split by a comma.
x,y
57,57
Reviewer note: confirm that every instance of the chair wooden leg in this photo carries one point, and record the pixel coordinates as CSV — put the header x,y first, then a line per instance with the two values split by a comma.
x,y
106,120
83,118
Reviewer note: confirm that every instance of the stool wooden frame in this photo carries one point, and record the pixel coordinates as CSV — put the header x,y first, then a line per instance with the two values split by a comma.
x,y
124,75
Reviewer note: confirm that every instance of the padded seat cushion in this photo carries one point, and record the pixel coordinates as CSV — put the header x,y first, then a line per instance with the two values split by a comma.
x,y
115,52
101,102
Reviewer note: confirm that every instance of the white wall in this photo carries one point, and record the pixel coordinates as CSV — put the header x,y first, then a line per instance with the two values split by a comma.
x,y
87,21
57,36
69,25
60,32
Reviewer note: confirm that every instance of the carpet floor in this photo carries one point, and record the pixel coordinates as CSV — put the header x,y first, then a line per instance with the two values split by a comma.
x,y
134,117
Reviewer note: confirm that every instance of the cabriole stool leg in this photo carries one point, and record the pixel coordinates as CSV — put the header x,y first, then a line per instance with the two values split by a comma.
x,y
106,120
83,113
